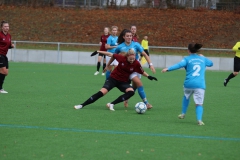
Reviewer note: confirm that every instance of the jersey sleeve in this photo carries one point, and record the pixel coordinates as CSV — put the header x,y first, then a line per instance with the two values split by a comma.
x,y
138,68
208,62
117,50
109,40
237,45
179,65
139,47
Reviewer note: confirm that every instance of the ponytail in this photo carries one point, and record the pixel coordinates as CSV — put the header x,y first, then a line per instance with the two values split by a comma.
x,y
194,47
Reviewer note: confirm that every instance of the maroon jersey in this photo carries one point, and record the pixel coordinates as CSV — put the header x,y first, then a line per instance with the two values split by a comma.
x,y
125,69
104,41
5,43
135,38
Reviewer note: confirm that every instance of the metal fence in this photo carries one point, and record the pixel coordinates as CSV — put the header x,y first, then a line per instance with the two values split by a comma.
x,y
58,46
211,4
83,57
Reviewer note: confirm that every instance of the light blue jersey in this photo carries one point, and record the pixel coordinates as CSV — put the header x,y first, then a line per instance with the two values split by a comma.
x,y
123,47
112,41
195,67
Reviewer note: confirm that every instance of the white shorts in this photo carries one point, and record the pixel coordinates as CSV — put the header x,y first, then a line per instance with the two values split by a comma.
x,y
114,63
198,94
134,74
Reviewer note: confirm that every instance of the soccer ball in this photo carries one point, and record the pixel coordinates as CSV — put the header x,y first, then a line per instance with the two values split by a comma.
x,y
140,108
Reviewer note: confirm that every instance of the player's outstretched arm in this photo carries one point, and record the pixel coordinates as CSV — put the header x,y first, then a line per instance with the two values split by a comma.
x,y
107,66
176,66
149,77
149,62
102,52
164,70
94,53
236,47
105,53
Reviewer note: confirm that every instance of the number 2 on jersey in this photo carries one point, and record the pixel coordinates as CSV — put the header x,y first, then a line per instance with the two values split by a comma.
x,y
196,69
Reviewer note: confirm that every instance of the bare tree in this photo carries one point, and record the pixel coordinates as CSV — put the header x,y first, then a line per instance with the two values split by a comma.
x,y
148,3
107,3
128,3
1,2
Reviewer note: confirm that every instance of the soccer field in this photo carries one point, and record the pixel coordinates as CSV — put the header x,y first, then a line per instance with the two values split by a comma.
x,y
37,119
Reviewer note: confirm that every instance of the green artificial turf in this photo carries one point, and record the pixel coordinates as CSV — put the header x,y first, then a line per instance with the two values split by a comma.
x,y
37,119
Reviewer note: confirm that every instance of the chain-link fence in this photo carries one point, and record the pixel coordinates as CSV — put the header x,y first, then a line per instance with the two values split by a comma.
x,y
210,4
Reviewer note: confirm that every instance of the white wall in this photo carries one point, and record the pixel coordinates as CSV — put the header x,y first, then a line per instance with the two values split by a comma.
x,y
83,58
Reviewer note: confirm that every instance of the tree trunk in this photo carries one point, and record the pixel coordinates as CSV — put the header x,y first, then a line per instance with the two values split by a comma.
x,y
128,3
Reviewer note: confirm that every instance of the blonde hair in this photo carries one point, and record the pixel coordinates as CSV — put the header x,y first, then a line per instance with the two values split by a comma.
x,y
130,52
114,27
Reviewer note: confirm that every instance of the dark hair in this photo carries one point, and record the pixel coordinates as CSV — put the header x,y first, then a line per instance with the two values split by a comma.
x,y
123,33
3,22
194,47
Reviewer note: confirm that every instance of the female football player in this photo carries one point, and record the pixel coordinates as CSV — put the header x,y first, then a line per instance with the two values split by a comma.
x,y
103,41
133,29
125,43
5,44
194,84
119,78
111,46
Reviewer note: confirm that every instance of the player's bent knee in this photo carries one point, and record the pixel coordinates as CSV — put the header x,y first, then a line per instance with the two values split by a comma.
x,y
4,71
104,91
129,89
130,93
235,73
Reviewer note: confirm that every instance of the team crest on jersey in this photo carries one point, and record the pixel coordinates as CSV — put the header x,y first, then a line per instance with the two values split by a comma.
x,y
131,69
122,64
3,39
